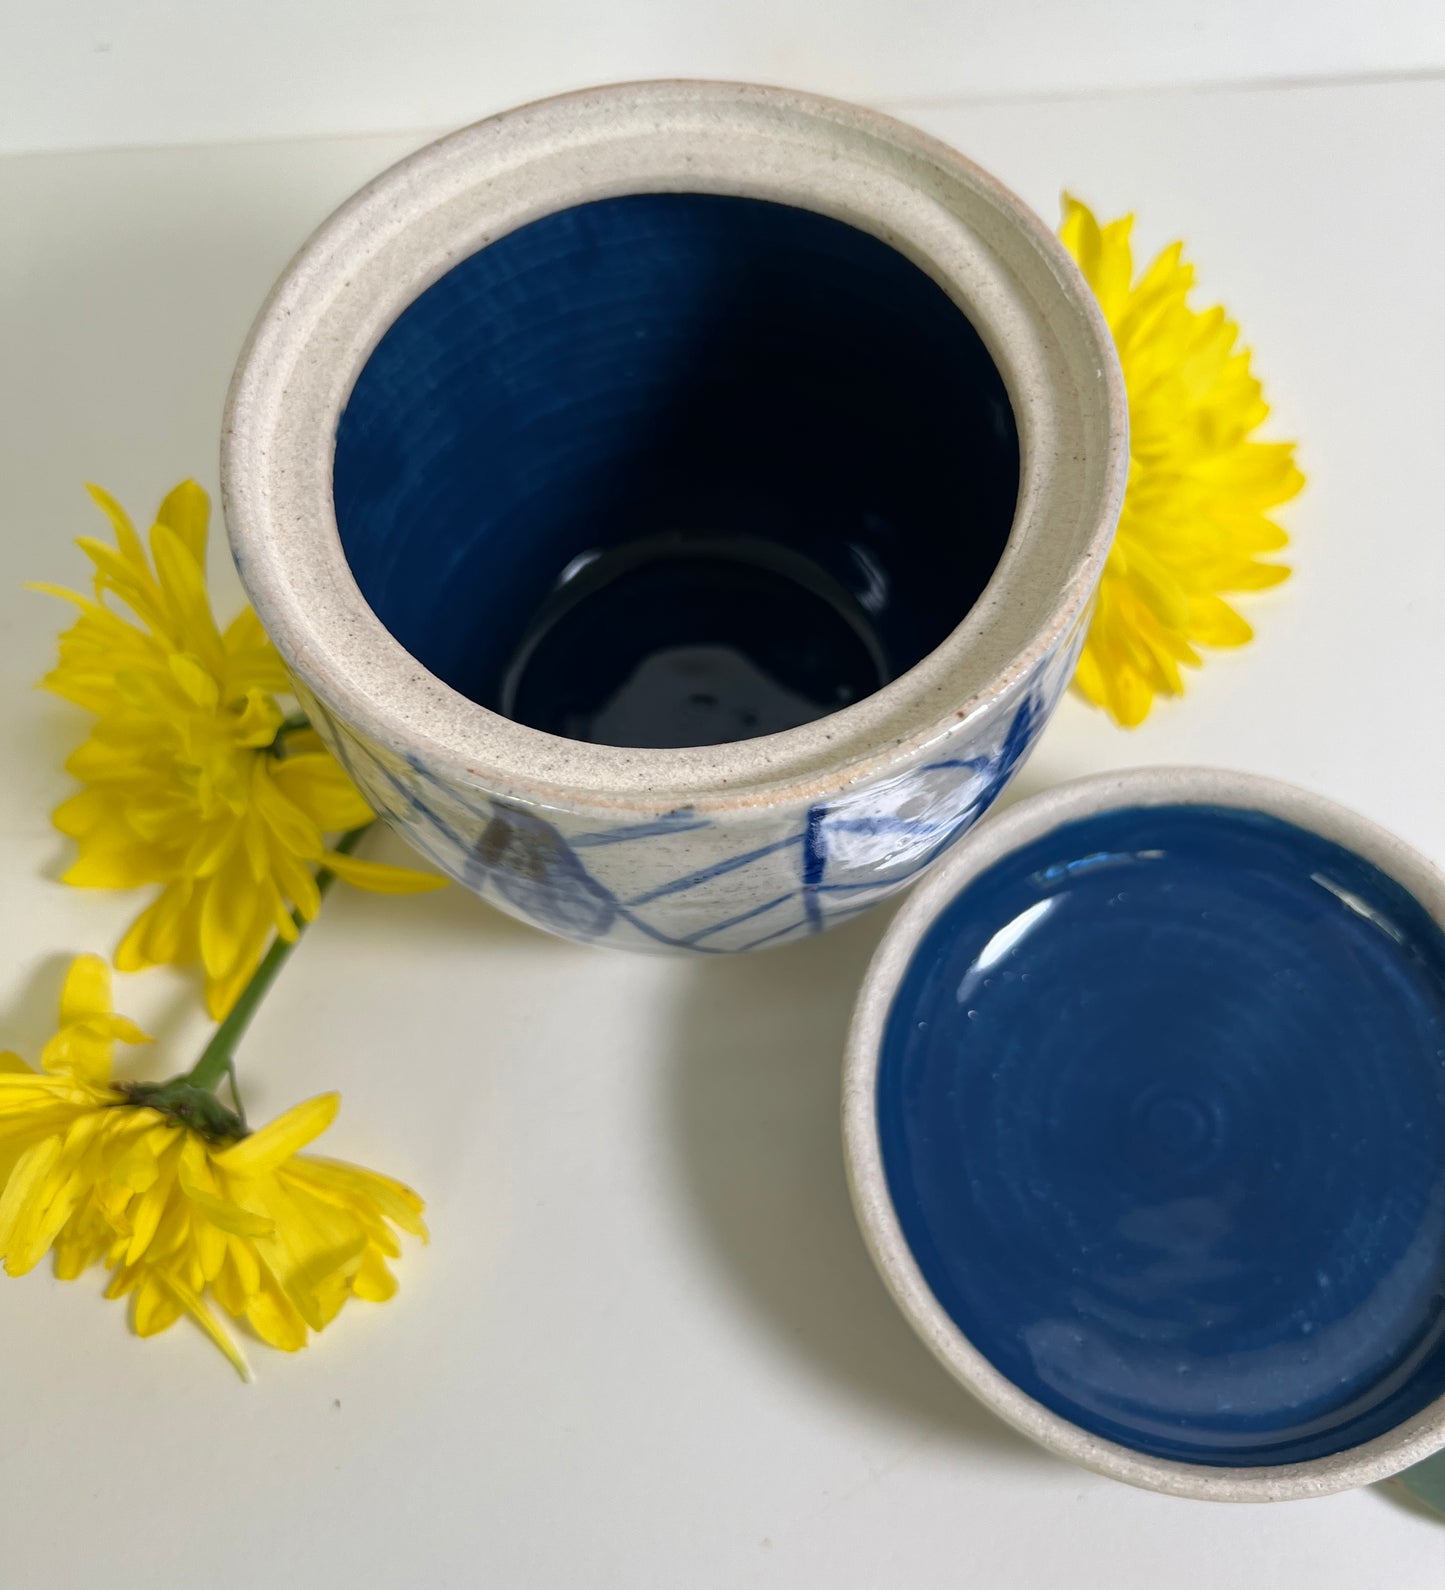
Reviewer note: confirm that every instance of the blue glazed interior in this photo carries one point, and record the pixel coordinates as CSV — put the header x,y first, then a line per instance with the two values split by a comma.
x,y
1162,1108
676,468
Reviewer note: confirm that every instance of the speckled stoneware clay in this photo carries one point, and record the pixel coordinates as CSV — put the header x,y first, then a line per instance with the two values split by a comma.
x,y
1144,1113
678,503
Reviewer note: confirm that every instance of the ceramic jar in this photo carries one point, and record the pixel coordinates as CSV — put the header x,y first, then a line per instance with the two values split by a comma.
x,y
679,504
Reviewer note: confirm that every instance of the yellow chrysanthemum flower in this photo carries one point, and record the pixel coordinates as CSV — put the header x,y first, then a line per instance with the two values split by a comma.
x,y
165,1186
1195,517
194,778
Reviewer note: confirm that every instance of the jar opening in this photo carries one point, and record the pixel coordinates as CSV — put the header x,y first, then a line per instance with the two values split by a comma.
x,y
676,469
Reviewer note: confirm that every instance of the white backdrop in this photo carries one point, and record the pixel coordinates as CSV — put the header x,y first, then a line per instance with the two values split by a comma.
x,y
78,74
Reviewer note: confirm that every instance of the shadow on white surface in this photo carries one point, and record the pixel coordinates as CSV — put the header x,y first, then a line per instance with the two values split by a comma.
x,y
39,741
1397,1496
755,1100
454,916
28,1019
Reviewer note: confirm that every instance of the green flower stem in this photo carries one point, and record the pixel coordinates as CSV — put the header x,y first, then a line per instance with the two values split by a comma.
x,y
216,1057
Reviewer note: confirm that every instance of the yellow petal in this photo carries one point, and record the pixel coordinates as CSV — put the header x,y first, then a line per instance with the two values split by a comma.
x,y
88,1030
130,579
158,936
245,1266
121,867
125,1280
1193,523
295,879
1103,253
233,921
257,671
1082,237
126,538
245,632
208,1323
393,1199
209,1243
1257,474
1216,623
66,1187
1251,532
51,1205
156,1307
82,813
1247,575
284,921
252,661
87,990
150,1206
274,1317
379,877
139,1166
314,1252
74,1258
318,785
183,589
187,510
224,990
213,844
27,1182
199,685
1088,677
374,1282
1130,698
291,826
227,1216
264,1150
257,720
226,1287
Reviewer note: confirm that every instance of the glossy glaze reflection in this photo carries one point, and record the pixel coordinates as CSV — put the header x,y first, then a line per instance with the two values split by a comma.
x,y
676,422
1162,1112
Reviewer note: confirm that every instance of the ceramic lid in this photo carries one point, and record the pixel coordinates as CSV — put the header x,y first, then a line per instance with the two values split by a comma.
x,y
1145,1120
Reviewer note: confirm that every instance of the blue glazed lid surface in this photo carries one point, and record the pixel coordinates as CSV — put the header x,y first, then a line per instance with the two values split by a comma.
x,y
1146,1122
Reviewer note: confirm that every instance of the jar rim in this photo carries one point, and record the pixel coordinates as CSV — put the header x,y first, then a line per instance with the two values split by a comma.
x,y
401,233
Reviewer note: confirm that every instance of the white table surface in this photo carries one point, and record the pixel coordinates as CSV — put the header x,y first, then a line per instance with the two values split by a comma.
x,y
83,74
645,1347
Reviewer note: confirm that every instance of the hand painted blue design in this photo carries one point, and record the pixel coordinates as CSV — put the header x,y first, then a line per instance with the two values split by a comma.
x,y
682,821
717,870
525,863
1018,742
1023,730
815,864
996,772
530,865
695,940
